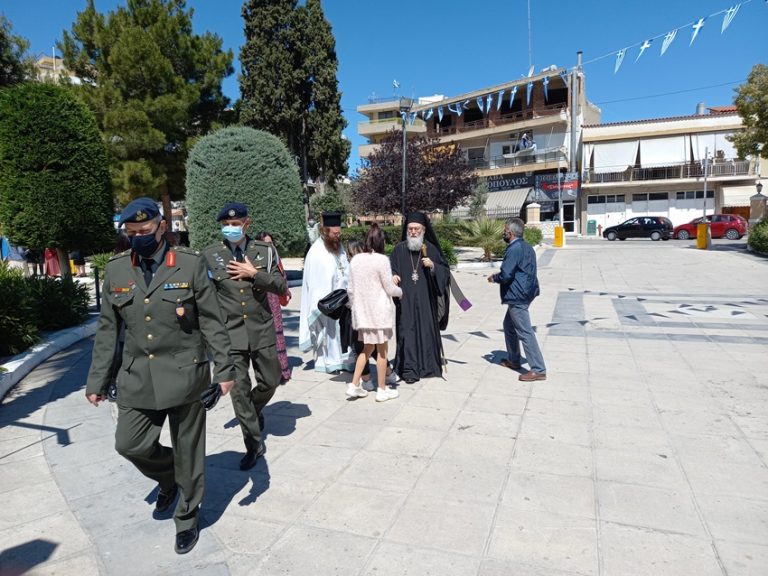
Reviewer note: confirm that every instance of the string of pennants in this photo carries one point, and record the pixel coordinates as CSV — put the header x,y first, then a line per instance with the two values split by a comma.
x,y
669,37
486,102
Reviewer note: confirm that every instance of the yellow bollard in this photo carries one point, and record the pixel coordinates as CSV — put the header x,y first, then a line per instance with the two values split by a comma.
x,y
559,237
703,236
72,268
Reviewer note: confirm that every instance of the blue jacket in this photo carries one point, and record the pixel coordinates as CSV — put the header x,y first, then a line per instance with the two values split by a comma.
x,y
517,277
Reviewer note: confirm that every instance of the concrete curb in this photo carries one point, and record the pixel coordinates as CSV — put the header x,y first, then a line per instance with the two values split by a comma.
x,y
22,364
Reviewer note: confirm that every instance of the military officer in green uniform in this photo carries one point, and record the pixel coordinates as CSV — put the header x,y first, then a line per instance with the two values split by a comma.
x,y
166,302
243,271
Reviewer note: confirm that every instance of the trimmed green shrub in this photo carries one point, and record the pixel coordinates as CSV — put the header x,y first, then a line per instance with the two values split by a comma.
x,y
58,303
758,237
99,262
18,330
533,236
487,234
241,164
55,189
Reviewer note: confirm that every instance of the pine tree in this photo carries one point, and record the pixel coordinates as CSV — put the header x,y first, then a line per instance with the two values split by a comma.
x,y
15,65
289,86
154,87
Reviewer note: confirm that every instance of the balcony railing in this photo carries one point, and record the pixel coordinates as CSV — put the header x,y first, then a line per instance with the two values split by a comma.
x,y
720,168
501,120
538,157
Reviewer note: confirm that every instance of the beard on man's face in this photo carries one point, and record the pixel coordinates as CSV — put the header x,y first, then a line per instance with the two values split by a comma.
x,y
332,244
414,243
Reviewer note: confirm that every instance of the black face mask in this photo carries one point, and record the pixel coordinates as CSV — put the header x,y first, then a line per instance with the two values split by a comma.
x,y
146,244
506,238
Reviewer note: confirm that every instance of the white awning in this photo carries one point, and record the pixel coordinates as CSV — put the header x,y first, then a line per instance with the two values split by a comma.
x,y
713,141
667,150
614,156
737,195
506,200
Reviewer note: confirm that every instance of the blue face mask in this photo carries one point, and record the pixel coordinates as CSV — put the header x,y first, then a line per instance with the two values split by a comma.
x,y
146,244
232,233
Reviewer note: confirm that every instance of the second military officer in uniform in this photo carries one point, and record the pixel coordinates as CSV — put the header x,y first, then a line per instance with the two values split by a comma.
x,y
166,302
244,270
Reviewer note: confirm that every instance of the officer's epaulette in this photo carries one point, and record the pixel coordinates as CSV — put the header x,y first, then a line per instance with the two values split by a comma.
x,y
259,243
185,250
120,255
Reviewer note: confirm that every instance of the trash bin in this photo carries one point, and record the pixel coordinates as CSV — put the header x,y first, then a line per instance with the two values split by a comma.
x,y
591,227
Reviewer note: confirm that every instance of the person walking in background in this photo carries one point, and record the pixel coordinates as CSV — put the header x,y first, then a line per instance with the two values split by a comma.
x,y
34,262
326,269
275,304
519,285
52,266
79,261
371,289
244,271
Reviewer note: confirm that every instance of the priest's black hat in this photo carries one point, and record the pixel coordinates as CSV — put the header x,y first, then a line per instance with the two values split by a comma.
x,y
331,219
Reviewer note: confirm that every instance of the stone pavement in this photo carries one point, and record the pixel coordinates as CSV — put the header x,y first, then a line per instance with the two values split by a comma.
x,y
644,453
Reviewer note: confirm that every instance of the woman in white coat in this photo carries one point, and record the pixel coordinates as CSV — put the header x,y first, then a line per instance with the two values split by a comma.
x,y
371,290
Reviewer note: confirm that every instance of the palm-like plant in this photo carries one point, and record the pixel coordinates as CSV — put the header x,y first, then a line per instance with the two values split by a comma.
x,y
485,233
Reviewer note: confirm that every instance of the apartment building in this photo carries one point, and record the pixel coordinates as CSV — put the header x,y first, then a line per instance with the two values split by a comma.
x,y
515,135
50,68
657,167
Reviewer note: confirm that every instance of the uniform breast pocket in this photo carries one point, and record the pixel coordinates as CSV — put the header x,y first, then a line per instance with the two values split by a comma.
x,y
121,301
184,308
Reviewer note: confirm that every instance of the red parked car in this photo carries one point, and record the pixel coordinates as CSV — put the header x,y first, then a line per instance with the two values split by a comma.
x,y
730,226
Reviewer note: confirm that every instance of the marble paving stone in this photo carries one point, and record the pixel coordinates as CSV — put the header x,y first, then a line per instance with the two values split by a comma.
x,y
556,494
464,447
552,457
307,551
570,431
392,559
439,399
727,479
454,526
647,507
318,462
77,565
484,423
690,423
498,567
28,503
465,482
640,552
632,438
343,434
354,509
738,519
386,471
439,419
244,535
741,559
545,540
645,467
12,476
504,404
406,441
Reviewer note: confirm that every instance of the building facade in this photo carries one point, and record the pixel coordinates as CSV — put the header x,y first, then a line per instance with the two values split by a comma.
x,y
657,167
516,136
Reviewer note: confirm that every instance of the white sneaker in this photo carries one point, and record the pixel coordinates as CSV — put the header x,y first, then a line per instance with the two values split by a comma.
x,y
356,391
391,378
386,394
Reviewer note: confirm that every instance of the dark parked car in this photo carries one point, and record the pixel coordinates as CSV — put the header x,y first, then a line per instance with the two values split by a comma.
x,y
653,227
732,226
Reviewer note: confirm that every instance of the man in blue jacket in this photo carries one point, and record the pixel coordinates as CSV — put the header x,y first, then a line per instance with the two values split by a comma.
x,y
518,287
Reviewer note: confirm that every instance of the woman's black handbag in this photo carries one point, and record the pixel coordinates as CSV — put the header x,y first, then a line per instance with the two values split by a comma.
x,y
334,304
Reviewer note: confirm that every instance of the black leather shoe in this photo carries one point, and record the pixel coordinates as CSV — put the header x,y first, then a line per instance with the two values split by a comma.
x,y
251,458
165,499
261,421
186,540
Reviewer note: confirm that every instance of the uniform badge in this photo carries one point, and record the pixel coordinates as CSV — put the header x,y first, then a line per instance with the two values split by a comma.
x,y
179,310
175,285
231,213
140,216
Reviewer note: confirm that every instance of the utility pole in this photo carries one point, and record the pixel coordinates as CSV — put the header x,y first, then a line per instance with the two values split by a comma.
x,y
405,108
574,111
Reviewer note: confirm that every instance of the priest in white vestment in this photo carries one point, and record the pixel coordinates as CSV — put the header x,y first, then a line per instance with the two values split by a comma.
x,y
326,269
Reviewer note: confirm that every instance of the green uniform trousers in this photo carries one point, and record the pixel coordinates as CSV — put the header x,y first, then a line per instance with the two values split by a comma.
x,y
249,401
137,439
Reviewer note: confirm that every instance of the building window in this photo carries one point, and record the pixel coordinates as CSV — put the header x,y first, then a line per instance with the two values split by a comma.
x,y
505,149
472,115
386,115
658,196
595,199
700,194
557,96
639,197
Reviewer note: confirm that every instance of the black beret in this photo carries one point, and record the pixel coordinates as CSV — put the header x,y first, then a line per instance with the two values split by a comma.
x,y
233,210
140,210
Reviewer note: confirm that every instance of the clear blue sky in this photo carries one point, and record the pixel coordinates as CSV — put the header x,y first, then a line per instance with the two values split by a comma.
x,y
453,46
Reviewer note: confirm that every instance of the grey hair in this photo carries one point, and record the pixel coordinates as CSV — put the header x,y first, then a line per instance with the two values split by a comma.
x,y
516,226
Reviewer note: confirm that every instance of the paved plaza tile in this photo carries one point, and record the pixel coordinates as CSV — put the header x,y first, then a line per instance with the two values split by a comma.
x,y
645,452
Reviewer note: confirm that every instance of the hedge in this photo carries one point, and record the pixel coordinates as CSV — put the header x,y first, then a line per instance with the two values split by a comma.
x,y
758,237
31,305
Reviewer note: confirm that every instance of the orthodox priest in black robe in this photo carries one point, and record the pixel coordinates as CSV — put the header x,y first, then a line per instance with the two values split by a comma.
x,y
420,269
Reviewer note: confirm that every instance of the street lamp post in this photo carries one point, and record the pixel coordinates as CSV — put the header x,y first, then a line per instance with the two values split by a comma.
x,y
405,108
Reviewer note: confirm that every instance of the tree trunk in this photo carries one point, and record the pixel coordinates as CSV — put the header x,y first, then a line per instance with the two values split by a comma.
x,y
66,271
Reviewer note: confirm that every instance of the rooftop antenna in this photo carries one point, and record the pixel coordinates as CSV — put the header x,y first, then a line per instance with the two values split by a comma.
x,y
530,39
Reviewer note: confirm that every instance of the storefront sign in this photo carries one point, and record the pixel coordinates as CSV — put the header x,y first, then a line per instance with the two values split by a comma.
x,y
550,186
509,182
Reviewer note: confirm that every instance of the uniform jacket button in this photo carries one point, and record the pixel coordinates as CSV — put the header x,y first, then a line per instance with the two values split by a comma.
x,y
149,337
147,318
151,356
146,300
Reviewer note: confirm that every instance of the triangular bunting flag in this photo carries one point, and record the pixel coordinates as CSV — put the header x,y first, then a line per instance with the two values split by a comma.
x,y
439,113
499,99
545,83
529,92
429,113
645,45
729,16
481,103
619,59
696,27
488,102
512,95
457,109
668,39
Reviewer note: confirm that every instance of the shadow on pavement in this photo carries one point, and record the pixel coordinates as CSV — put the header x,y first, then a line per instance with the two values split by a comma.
x,y
20,559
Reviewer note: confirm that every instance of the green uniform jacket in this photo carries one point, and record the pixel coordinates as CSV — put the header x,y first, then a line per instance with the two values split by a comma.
x,y
244,303
168,325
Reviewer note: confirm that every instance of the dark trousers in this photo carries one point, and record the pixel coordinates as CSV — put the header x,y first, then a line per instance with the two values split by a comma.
x,y
137,439
247,400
